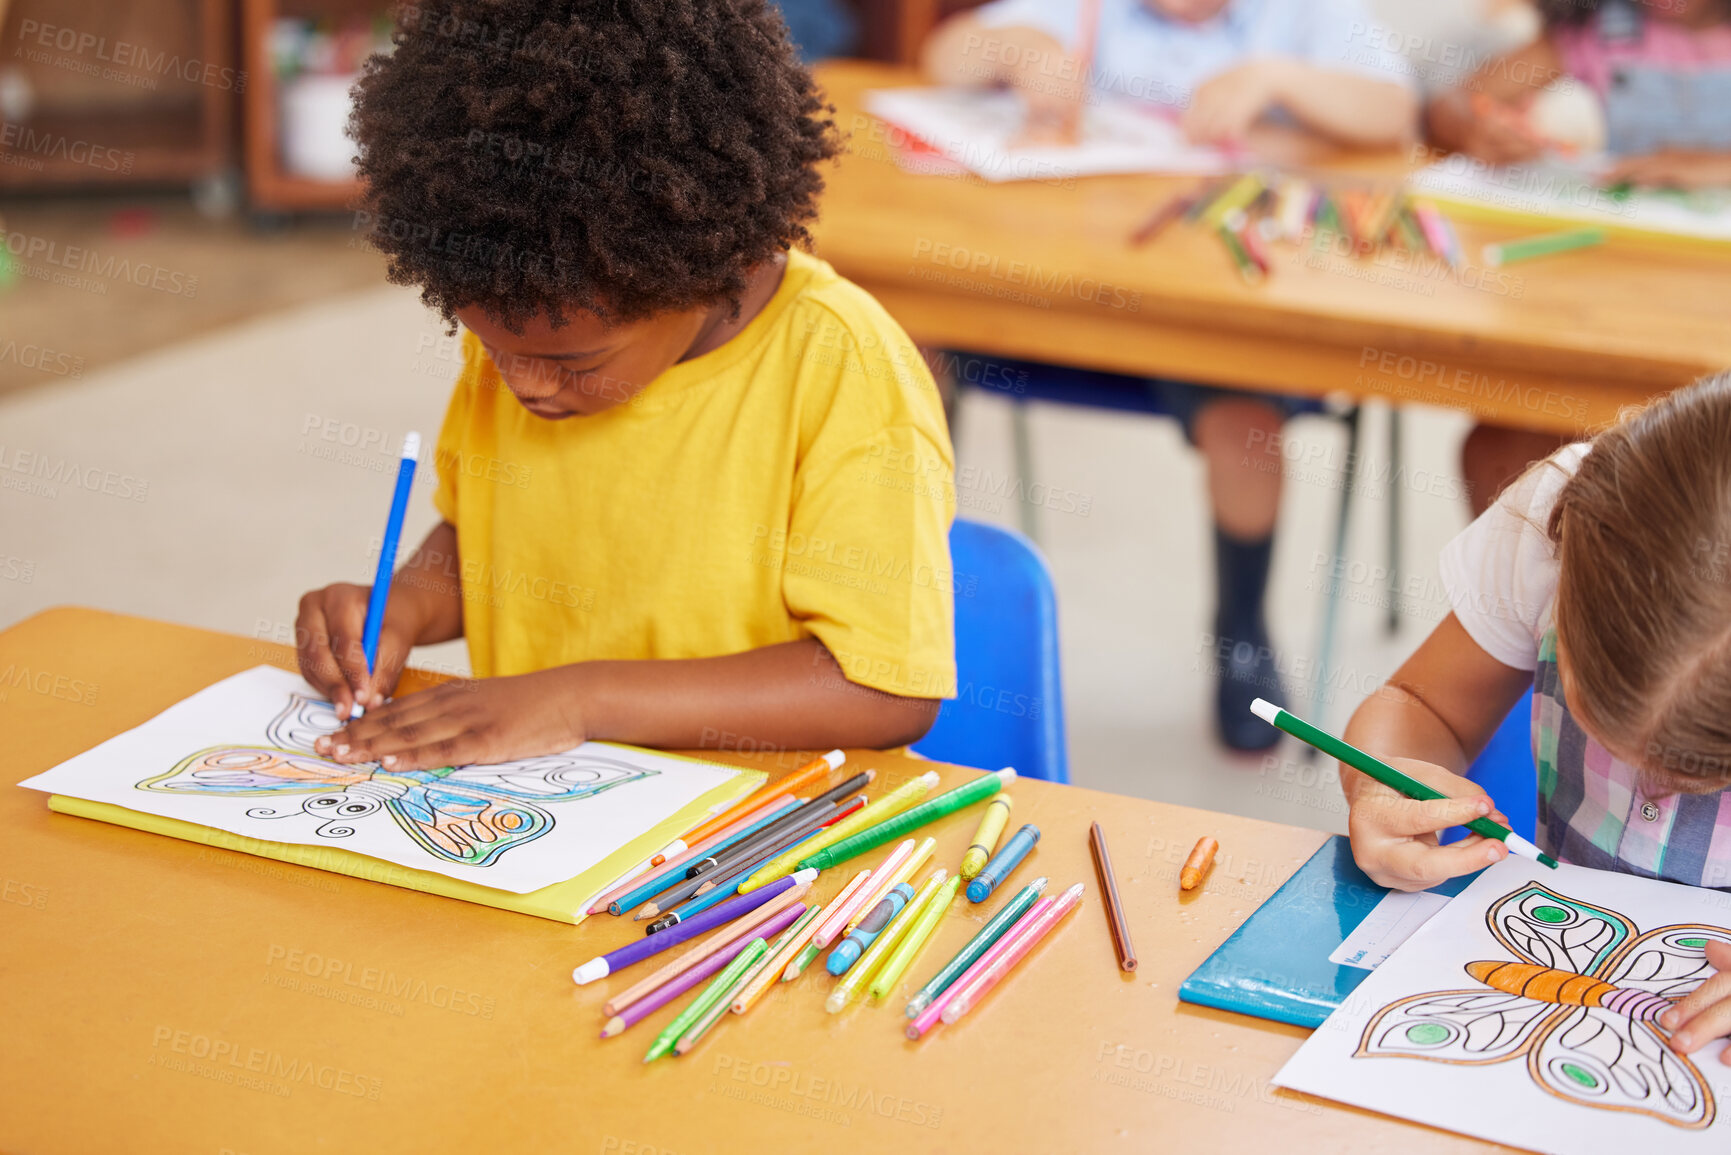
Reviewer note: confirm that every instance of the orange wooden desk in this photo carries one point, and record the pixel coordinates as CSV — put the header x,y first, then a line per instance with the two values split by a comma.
x,y
1044,271
163,996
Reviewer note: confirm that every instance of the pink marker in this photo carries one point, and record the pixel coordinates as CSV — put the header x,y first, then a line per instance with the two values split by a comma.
x,y
845,904
928,1018
973,990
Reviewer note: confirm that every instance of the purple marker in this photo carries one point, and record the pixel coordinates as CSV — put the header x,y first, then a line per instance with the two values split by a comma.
x,y
653,944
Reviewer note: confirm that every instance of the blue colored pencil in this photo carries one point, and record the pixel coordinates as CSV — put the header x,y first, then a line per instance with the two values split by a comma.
x,y
725,889
674,875
388,553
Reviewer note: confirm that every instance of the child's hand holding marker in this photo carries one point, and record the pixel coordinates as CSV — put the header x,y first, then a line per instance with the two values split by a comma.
x,y
1394,838
1672,168
328,633
1705,1014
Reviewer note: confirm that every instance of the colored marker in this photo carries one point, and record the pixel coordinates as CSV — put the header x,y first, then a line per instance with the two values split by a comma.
x,y
969,991
1247,268
992,825
903,872
648,946
814,771
719,892
872,837
388,557
977,946
792,941
1389,776
848,951
1525,249
671,887
1005,861
762,921
852,896
891,804
810,815
848,987
926,922
712,994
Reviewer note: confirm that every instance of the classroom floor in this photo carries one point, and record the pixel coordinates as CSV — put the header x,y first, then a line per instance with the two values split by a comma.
x,y
210,481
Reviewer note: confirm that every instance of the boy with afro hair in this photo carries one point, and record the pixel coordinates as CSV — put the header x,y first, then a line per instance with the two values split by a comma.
x,y
692,481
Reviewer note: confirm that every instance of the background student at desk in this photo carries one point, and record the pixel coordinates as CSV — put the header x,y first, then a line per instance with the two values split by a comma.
x,y
1649,81
1223,65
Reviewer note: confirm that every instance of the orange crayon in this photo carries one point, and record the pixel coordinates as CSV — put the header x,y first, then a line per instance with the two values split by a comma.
x,y
1201,858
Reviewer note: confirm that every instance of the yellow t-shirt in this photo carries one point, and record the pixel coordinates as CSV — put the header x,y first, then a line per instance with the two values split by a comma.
x,y
796,482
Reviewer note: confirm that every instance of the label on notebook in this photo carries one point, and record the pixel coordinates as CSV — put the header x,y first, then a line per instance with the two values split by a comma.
x,y
1390,923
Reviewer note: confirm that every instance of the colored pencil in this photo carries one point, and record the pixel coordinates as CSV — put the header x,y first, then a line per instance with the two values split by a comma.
x,y
821,806
1115,920
887,878
800,961
814,771
857,802
861,973
676,893
721,891
1381,771
1162,217
1527,248
915,940
986,836
976,946
793,941
648,946
872,837
970,991
893,803
1247,268
933,1014
1237,196
387,567
746,926
641,1009
851,896
700,1026
672,872
712,993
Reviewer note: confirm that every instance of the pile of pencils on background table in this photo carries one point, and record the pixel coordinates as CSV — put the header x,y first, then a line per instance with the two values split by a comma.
x,y
743,878
1252,210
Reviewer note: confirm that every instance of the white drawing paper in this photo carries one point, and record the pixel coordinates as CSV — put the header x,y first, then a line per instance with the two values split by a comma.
x,y
1391,922
975,128
238,756
1524,1012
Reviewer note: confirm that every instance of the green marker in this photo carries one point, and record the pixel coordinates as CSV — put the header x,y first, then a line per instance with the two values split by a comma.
x,y
977,946
891,829
1509,252
1389,776
721,985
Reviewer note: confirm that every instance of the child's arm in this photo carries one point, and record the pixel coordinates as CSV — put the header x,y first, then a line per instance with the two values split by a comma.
x,y
1343,106
1674,168
1486,117
965,52
425,606
1436,712
791,695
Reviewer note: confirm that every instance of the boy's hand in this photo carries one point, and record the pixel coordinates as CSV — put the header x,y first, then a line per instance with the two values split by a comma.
x,y
1673,168
1054,111
477,720
328,632
1226,105
1705,1014
1394,837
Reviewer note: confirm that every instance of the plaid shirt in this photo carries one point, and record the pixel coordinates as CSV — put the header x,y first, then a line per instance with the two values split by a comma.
x,y
1592,812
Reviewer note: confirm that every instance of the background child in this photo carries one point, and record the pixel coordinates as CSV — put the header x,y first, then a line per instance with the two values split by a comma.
x,y
672,473
1602,578
1659,77
1222,65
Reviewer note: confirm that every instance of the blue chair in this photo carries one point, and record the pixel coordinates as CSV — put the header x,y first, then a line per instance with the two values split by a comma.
x,y
1505,770
1009,707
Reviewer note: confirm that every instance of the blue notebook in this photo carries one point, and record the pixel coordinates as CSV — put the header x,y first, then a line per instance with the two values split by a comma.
x,y
1276,965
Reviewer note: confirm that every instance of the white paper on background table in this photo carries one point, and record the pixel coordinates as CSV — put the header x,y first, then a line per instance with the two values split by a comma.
x,y
1391,922
974,127
1572,192
238,756
1427,1039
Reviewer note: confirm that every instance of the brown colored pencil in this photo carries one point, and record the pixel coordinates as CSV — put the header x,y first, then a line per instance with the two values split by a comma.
x,y
1114,906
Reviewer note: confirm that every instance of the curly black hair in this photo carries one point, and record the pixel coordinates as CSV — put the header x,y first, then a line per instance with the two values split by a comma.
x,y
620,157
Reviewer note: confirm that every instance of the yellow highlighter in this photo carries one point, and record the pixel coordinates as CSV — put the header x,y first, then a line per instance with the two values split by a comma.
x,y
992,824
860,974
903,956
888,806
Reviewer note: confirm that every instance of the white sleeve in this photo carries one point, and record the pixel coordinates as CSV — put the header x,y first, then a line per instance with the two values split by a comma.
x,y
1059,19
1501,571
1342,35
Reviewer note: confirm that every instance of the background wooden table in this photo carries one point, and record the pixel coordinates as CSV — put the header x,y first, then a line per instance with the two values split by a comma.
x,y
1044,271
165,996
